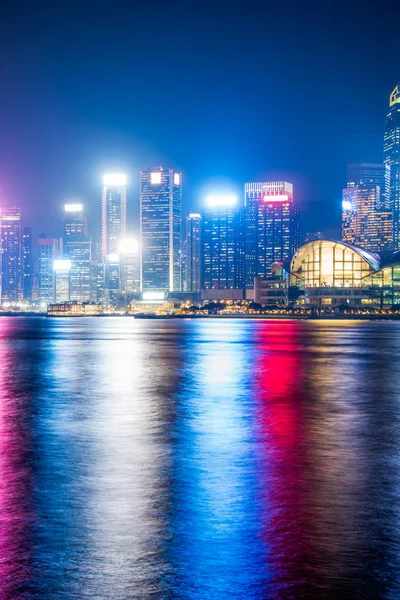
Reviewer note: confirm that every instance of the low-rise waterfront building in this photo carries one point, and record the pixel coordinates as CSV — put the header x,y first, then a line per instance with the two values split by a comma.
x,y
333,274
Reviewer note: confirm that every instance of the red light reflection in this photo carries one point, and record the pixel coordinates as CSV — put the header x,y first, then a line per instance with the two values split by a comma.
x,y
277,386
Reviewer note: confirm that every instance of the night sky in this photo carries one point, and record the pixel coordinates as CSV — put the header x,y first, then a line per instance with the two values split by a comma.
x,y
226,91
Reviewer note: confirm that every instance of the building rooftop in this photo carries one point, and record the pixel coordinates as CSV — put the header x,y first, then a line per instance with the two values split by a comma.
x,y
395,95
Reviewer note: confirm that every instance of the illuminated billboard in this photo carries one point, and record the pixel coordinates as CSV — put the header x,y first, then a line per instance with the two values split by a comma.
x,y
276,198
113,258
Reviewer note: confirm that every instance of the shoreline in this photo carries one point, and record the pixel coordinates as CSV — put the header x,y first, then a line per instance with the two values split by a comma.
x,y
264,317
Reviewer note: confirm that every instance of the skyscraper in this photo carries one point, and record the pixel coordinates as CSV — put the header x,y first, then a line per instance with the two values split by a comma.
x,y
220,249
364,222
113,212
112,280
62,269
77,248
367,174
271,228
391,152
48,252
27,264
192,280
11,256
160,229
128,254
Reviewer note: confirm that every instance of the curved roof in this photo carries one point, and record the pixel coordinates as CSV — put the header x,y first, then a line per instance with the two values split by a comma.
x,y
371,258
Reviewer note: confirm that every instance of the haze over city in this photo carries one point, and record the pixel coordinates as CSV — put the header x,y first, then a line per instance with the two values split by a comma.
x,y
225,92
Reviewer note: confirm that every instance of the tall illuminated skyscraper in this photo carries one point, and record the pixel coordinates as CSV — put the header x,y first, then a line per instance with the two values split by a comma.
x,y
77,248
220,243
160,229
27,264
48,253
11,255
391,152
113,212
192,281
272,227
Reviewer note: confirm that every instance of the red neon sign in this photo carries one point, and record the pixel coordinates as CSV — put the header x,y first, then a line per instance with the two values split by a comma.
x,y
276,198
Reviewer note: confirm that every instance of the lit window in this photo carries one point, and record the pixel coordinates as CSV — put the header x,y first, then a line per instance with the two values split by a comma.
x,y
177,179
156,178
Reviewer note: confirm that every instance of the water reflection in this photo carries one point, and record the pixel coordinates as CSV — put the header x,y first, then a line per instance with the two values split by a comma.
x,y
199,459
215,547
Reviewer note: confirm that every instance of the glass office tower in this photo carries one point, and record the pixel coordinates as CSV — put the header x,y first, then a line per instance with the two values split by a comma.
x,y
192,280
77,248
48,252
11,255
113,212
370,174
391,152
160,229
220,243
271,227
27,264
364,222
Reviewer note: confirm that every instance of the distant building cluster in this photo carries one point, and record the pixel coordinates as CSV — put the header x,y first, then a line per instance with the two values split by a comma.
x,y
232,249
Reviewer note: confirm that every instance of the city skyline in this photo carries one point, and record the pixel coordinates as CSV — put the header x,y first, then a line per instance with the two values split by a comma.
x,y
241,237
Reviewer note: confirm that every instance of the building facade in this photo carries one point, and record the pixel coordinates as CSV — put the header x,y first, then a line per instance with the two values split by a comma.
x,y
11,255
365,221
192,275
160,229
128,255
77,248
48,253
271,227
391,152
371,174
221,251
27,264
61,275
113,214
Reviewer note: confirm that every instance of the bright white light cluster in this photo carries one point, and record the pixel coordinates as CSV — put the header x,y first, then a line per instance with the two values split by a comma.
x,y
128,246
113,258
221,200
114,179
73,207
62,265
155,177
153,295
346,205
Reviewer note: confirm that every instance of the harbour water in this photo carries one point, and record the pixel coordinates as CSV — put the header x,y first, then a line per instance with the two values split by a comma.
x,y
199,459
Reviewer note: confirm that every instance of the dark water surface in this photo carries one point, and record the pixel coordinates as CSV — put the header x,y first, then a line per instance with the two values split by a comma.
x,y
199,459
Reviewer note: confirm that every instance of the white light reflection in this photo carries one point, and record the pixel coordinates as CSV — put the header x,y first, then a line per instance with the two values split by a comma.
x,y
215,462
